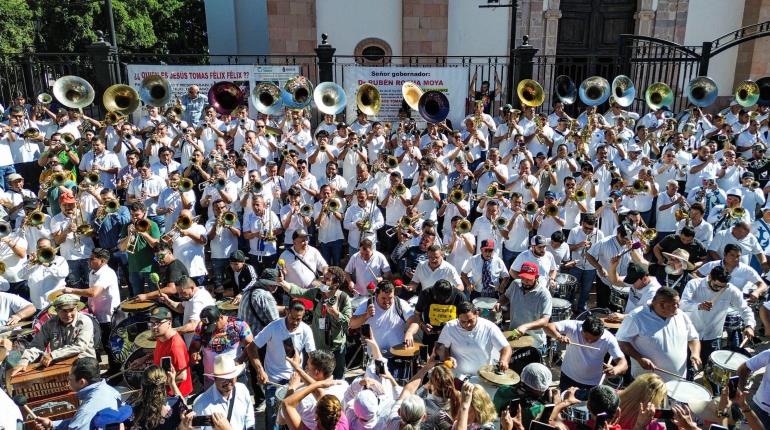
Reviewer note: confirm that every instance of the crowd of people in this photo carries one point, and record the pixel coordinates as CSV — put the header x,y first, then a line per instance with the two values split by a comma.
x,y
275,255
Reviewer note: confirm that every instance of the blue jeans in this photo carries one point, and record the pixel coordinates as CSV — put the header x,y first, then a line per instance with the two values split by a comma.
x,y
509,256
763,416
218,267
78,276
585,280
5,171
270,405
137,280
160,220
332,252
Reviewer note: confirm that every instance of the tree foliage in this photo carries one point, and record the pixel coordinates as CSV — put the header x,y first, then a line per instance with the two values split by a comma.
x,y
141,26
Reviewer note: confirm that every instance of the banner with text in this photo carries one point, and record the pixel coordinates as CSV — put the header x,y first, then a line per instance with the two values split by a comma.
x,y
182,77
452,81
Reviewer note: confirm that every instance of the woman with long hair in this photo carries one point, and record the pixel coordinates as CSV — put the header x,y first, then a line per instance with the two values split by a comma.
x,y
477,410
152,409
647,388
328,409
442,391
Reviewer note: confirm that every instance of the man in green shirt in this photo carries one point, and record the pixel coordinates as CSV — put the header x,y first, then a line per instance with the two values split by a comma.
x,y
139,239
331,313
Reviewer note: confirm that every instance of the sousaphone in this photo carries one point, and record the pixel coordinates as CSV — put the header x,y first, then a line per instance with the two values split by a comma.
x,y
623,90
747,93
702,91
411,93
764,91
155,91
566,91
225,97
297,92
594,91
658,95
530,93
121,99
433,106
330,98
368,99
266,98
73,92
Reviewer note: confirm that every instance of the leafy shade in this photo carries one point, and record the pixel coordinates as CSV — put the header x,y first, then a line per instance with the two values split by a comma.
x,y
17,31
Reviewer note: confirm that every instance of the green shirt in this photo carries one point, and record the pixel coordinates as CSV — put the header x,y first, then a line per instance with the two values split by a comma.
x,y
142,258
53,196
335,332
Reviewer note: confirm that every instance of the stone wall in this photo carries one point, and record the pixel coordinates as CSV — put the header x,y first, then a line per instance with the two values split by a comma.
x,y
424,27
292,26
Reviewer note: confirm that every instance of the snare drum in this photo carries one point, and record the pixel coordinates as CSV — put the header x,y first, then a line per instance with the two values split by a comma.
x,y
733,321
122,335
682,392
562,310
133,377
484,306
722,365
565,286
619,297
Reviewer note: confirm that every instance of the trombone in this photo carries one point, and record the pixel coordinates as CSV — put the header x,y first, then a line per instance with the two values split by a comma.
x,y
456,196
463,226
226,219
306,210
182,223
332,205
44,255
220,183
108,207
185,185
142,226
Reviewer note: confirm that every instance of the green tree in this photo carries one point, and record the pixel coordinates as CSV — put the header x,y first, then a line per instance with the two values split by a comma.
x,y
17,31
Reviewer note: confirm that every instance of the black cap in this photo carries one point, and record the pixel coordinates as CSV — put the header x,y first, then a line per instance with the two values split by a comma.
x,y
635,273
269,277
209,317
298,233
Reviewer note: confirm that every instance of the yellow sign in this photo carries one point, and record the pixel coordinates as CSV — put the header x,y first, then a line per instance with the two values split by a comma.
x,y
441,314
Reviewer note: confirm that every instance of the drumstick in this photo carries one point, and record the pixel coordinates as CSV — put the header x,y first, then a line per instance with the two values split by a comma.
x,y
118,374
22,401
371,271
582,345
658,369
604,375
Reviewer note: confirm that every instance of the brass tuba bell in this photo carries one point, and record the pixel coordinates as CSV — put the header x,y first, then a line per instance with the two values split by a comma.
x,y
747,93
411,93
566,91
368,99
434,106
121,99
764,91
594,91
225,97
266,98
658,95
155,91
702,91
623,90
530,93
297,92
44,99
73,92
330,98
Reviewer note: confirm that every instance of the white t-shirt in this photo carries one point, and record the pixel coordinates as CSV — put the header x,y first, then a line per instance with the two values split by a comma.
x,y
710,323
475,268
193,308
387,326
663,341
749,245
762,396
71,249
103,304
10,304
584,365
191,253
743,276
577,235
545,264
224,242
475,348
297,272
426,277
357,268
273,335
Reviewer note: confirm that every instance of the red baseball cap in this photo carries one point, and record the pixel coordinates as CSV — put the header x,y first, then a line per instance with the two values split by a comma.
x,y
488,244
67,198
529,271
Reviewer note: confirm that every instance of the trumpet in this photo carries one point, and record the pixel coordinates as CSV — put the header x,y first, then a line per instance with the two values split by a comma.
x,y
142,226
463,226
639,186
399,190
492,190
44,255
256,186
31,133
580,195
5,228
531,208
182,223
680,214
306,210
737,213
227,219
185,185
34,218
108,207
68,139
333,205
500,222
217,182
649,234
391,161
93,177
551,210
456,196
430,181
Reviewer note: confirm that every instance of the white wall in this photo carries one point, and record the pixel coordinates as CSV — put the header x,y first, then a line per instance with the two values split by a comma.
x,y
707,20
348,22
478,31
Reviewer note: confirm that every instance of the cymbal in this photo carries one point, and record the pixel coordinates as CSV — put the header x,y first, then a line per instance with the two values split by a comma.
x,y
145,340
130,305
612,325
490,373
53,295
52,310
521,341
15,326
404,351
227,305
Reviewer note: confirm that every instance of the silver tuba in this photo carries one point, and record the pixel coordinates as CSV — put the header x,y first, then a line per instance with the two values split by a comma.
x,y
155,91
330,98
73,92
266,98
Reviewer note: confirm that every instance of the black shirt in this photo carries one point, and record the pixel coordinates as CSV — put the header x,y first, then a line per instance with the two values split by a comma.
x,y
676,282
438,313
171,272
696,249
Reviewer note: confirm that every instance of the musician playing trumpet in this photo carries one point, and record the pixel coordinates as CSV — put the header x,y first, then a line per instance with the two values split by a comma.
x,y
362,220
425,195
572,205
143,241
291,215
394,200
222,233
491,171
524,182
328,213
722,217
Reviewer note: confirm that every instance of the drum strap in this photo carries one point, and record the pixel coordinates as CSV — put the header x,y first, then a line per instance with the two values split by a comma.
x,y
302,260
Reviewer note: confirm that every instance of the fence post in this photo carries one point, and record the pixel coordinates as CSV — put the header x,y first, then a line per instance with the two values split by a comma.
x,y
524,56
28,65
705,56
103,55
325,54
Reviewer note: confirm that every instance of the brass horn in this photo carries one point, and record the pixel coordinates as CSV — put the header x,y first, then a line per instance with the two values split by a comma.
x,y
411,93
46,254
456,196
747,93
764,91
185,185
658,95
530,93
266,98
463,226
334,205
434,106
594,91
368,99
330,98
566,91
297,92
121,99
623,90
225,97
44,99
73,92
155,91
702,91
306,209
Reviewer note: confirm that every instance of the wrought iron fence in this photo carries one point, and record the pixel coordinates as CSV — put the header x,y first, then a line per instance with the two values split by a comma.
x,y
548,67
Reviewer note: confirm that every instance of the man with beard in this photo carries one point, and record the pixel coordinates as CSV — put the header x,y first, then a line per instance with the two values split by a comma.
x,y
530,304
434,269
435,307
640,285
676,271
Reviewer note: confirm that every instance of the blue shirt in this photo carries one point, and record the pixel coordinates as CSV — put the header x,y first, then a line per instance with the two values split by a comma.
x,y
193,109
93,399
109,231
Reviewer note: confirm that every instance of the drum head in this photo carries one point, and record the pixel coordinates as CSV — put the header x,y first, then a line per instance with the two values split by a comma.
x,y
728,359
484,302
123,335
685,391
522,357
403,351
132,306
145,340
133,377
565,278
561,304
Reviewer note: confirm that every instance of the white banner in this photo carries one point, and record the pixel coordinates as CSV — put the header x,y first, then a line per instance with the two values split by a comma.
x,y
452,81
182,77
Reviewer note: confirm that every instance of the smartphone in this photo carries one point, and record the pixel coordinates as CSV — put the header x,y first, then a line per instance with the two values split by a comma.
x,y
547,410
288,347
732,386
601,419
379,367
370,301
165,363
717,427
366,331
202,421
424,353
664,414
513,406
537,425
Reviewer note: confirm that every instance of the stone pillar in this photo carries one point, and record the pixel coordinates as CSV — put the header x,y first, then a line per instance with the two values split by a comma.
x,y
645,20
551,18
425,25
103,56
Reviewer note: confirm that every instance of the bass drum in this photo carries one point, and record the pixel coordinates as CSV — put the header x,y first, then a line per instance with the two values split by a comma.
x,y
122,335
133,377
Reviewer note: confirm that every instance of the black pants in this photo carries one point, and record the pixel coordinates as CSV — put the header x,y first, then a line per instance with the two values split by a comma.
x,y
105,337
257,389
603,292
